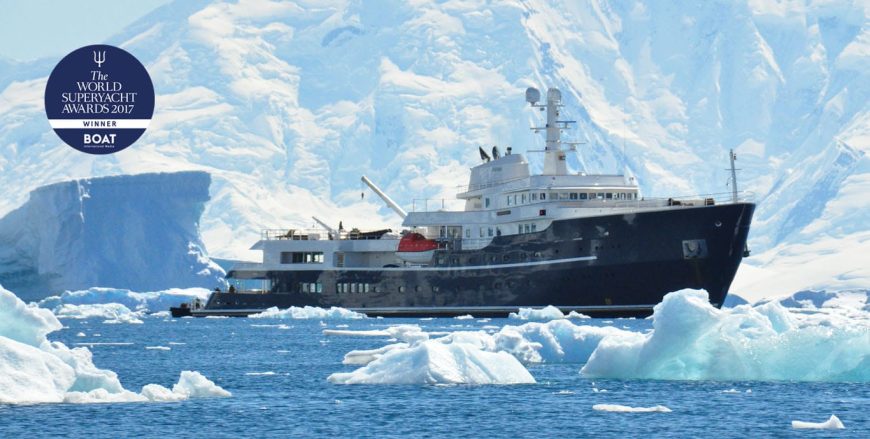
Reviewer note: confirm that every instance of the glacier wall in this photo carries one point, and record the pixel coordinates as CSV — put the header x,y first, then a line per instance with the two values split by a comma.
x,y
135,231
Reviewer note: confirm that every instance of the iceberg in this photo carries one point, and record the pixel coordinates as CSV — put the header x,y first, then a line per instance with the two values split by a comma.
x,y
35,370
626,409
308,312
692,340
436,362
548,312
110,312
833,423
145,302
129,231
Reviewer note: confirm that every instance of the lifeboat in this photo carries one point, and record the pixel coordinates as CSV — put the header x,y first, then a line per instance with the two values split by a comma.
x,y
415,248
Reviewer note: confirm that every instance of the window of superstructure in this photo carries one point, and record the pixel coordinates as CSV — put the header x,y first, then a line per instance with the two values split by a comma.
x,y
490,232
563,195
572,196
508,200
534,227
583,196
534,196
543,196
468,232
528,228
609,195
523,198
486,202
515,198
367,287
319,287
353,287
600,195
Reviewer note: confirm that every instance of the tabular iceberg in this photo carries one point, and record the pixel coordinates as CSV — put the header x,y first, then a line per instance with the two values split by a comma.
x,y
34,370
129,231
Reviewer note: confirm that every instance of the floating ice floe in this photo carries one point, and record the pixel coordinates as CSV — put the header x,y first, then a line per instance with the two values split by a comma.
x,y
417,358
692,340
465,317
259,374
548,312
435,362
34,370
626,409
110,312
308,312
833,423
147,302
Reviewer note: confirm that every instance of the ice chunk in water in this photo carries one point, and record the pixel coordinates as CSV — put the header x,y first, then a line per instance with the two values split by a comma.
x,y
308,312
34,370
833,423
626,409
693,340
434,362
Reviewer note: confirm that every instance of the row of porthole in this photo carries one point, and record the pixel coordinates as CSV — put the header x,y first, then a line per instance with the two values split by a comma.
x,y
359,287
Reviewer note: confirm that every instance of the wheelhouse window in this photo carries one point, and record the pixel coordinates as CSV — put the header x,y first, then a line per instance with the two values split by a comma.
x,y
573,196
486,202
543,196
583,196
609,195
534,196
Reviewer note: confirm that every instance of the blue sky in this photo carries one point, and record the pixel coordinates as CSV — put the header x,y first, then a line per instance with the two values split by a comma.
x,y
31,29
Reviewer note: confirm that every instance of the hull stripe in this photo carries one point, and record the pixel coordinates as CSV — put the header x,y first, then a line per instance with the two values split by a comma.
x,y
417,268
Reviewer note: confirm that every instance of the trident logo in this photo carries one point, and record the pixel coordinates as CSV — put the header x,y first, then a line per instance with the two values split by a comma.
x,y
99,58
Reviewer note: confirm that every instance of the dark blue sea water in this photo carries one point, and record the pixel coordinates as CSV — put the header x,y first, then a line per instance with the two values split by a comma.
x,y
299,402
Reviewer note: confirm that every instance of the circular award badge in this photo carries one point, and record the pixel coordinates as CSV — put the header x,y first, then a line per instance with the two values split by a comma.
x,y
99,99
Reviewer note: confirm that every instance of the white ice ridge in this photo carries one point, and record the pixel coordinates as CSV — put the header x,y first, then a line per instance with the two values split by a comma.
x,y
626,409
833,423
308,312
148,302
692,340
34,370
548,312
110,312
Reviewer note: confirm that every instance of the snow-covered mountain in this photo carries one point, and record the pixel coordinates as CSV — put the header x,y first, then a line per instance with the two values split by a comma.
x,y
287,104
132,231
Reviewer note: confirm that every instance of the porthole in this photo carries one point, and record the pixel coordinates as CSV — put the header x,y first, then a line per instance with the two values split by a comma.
x,y
718,224
401,289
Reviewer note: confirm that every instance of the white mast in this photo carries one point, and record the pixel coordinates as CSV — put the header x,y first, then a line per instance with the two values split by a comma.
x,y
733,176
554,155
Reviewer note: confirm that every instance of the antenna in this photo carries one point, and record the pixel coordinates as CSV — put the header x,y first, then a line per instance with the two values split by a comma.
x,y
533,95
495,153
483,155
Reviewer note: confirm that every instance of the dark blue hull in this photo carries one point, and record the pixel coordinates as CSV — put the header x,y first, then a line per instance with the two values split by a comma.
x,y
615,265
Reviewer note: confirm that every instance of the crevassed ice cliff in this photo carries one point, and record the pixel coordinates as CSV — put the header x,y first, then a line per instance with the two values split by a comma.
x,y
134,231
